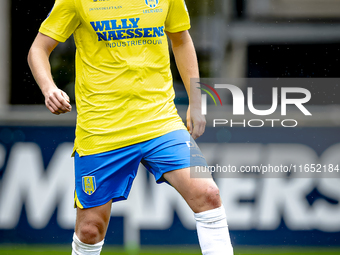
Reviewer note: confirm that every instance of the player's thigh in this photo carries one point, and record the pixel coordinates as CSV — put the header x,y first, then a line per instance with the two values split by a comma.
x,y
92,223
201,194
171,152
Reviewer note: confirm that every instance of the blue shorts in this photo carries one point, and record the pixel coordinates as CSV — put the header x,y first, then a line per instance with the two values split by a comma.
x,y
109,175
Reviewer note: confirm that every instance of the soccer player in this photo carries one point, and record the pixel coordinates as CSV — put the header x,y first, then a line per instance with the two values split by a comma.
x,y
126,113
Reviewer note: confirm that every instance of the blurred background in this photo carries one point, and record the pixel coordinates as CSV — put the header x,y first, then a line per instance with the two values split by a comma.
x,y
234,39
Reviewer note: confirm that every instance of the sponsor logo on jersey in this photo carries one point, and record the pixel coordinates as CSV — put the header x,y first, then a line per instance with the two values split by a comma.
x,y
89,184
111,30
158,10
152,3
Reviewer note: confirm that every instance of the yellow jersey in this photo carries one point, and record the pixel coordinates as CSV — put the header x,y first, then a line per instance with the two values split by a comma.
x,y
124,91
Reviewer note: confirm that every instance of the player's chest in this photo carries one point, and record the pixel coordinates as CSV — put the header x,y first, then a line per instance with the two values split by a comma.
x,y
123,14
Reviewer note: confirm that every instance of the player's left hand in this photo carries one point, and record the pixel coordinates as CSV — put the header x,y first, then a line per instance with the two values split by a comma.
x,y
195,122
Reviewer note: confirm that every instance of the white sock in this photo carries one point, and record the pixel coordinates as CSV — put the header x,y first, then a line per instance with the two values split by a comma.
x,y
80,248
213,233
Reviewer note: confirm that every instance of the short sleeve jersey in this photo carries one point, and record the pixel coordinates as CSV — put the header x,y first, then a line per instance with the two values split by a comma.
x,y
124,92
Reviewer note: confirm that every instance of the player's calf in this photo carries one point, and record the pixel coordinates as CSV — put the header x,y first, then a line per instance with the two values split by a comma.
x,y
202,195
213,233
211,222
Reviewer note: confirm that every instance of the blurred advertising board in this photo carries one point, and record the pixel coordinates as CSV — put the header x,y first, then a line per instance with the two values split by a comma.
x,y
37,185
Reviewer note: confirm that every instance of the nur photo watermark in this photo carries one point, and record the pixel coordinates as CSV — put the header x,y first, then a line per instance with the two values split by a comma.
x,y
269,128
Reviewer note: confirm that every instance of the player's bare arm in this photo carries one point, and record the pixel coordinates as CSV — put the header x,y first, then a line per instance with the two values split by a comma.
x,y
56,100
187,65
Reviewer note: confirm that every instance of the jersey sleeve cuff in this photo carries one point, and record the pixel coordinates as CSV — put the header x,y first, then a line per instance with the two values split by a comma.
x,y
179,29
53,35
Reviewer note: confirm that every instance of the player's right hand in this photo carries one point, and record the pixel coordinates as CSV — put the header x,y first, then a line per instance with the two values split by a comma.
x,y
57,101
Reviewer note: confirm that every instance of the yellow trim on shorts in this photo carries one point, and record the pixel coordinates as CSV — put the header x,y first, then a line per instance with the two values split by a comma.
x,y
77,202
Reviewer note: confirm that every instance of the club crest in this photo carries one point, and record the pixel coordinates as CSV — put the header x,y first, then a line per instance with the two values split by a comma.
x,y
89,185
152,3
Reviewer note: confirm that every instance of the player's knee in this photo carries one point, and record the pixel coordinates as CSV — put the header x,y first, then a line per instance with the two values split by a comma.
x,y
89,234
212,197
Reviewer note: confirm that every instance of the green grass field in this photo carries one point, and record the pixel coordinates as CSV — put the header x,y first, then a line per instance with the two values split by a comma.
x,y
109,250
